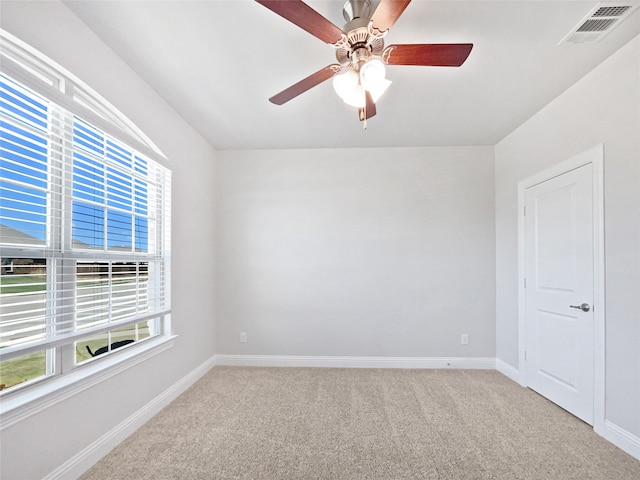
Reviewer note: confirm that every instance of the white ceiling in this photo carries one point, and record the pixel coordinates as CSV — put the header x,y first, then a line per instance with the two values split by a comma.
x,y
218,62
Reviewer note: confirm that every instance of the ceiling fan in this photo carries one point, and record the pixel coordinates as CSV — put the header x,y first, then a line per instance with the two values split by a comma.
x,y
359,76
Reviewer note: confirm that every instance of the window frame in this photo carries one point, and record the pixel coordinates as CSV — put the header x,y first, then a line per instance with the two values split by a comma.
x,y
30,68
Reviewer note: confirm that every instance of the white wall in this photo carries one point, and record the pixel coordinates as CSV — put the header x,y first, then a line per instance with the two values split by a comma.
x,y
603,107
37,445
356,252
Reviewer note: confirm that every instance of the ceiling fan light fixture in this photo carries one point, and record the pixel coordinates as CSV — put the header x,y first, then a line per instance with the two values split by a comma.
x,y
378,88
345,82
347,86
356,97
372,73
372,78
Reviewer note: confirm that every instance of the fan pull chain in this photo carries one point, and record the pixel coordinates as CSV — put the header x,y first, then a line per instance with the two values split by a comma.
x,y
364,116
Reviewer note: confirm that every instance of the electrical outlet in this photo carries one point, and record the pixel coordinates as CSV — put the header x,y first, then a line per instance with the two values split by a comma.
x,y
464,339
243,337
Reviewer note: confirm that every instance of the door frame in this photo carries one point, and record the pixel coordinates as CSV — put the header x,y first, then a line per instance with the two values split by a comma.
x,y
595,157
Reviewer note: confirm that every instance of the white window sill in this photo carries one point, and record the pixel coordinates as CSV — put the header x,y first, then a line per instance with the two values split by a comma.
x,y
19,405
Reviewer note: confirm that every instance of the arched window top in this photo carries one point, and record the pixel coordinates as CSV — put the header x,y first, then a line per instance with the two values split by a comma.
x,y
46,77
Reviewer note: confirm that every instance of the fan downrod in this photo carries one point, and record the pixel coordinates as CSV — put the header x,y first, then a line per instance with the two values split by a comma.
x,y
354,9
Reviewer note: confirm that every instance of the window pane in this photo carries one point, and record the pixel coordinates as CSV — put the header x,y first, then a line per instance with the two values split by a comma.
x,y
110,292
22,300
143,287
22,369
92,347
142,234
88,178
125,290
87,138
113,340
92,294
118,154
23,214
141,197
119,231
87,226
22,105
141,165
24,155
111,191
124,336
23,165
146,329
119,189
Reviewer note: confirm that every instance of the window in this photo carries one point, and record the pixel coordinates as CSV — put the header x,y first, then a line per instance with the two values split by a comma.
x,y
84,226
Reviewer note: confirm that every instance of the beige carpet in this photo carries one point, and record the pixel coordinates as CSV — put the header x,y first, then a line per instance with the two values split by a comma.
x,y
304,423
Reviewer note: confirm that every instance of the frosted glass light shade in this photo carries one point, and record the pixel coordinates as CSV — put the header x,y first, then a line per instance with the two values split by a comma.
x,y
372,78
356,97
372,73
347,86
344,83
378,89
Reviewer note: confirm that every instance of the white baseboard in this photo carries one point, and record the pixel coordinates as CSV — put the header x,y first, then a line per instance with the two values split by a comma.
x,y
621,438
508,371
355,362
87,457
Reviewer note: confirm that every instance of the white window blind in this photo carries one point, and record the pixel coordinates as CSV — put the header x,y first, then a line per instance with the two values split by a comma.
x,y
84,225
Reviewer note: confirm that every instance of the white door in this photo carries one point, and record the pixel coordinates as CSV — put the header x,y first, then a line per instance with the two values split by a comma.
x,y
559,290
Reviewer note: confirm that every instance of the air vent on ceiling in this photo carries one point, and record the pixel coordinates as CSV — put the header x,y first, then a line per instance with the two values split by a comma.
x,y
600,21
611,11
599,25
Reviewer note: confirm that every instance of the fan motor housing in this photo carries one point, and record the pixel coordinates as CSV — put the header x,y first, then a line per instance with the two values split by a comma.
x,y
361,41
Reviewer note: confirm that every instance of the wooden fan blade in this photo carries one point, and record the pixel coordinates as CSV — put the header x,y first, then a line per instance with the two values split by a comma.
x,y
303,85
305,17
387,14
370,109
434,55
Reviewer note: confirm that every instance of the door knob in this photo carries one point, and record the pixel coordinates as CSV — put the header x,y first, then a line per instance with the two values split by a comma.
x,y
585,307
